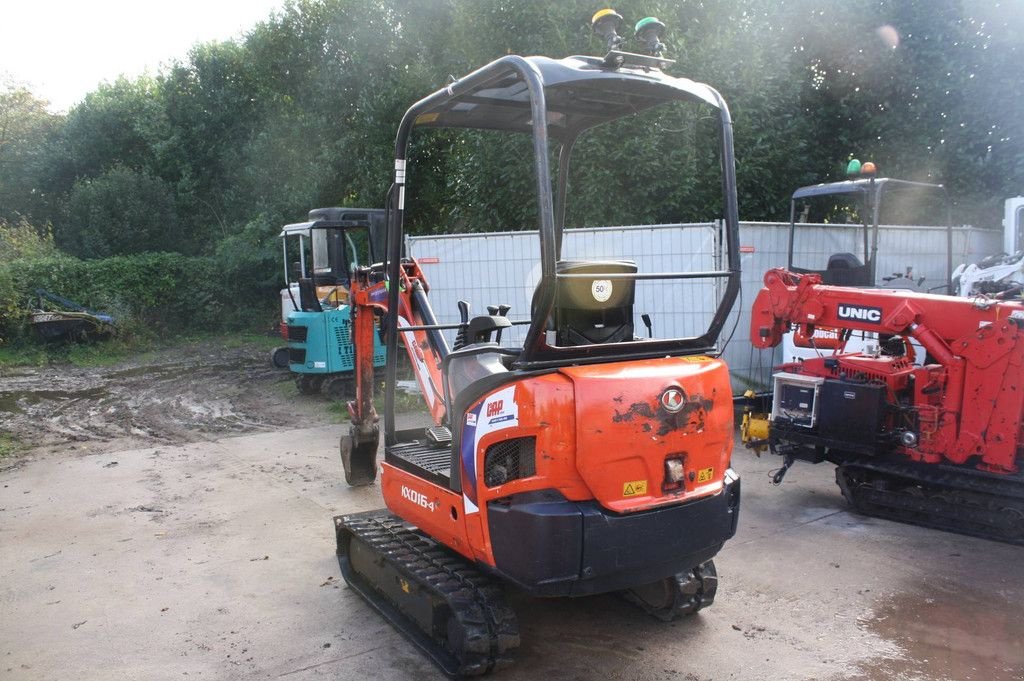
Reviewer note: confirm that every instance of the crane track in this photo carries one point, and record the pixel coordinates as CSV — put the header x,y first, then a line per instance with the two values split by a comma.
x,y
442,603
948,498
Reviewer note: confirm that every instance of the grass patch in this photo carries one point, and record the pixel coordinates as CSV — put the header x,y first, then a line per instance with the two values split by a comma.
x,y
105,353
289,388
338,411
28,352
18,356
9,445
257,340
404,403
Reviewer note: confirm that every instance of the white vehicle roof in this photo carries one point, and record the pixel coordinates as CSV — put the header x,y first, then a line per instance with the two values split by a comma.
x,y
296,229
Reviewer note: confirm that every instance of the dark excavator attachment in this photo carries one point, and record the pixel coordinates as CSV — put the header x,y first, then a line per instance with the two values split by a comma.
x,y
359,455
677,596
437,599
951,498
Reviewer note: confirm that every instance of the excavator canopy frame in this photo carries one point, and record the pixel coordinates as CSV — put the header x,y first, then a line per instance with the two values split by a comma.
x,y
556,101
871,191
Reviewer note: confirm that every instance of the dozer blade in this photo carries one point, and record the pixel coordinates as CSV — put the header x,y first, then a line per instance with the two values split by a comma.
x,y
454,613
359,456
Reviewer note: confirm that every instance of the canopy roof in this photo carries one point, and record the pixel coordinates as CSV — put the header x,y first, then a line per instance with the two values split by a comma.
x,y
862,186
580,93
297,228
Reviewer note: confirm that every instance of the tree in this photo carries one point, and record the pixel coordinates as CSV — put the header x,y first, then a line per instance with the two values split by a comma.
x,y
120,212
25,125
244,135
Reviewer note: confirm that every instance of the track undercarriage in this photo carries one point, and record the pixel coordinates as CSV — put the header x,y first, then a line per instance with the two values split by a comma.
x,y
678,596
952,498
449,609
452,611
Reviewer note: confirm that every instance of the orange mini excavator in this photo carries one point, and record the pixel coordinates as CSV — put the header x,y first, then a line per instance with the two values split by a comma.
x,y
585,460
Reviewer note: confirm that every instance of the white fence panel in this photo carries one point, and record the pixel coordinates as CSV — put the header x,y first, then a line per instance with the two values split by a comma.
x,y
504,268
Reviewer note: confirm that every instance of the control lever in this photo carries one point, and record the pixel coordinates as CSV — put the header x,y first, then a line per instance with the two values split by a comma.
x,y
647,322
460,337
502,311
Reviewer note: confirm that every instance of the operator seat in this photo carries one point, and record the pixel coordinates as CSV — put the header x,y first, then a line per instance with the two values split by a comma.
x,y
308,301
846,269
593,310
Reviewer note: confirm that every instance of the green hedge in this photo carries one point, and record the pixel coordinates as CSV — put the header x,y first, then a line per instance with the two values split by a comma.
x,y
164,293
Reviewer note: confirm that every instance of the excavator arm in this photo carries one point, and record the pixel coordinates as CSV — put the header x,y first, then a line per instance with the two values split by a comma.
x,y
423,342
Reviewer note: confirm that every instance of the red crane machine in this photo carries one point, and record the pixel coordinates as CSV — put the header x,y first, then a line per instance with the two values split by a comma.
x,y
937,445
586,461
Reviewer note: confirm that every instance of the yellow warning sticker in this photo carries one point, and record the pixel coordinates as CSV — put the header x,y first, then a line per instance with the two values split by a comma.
x,y
696,358
635,488
705,474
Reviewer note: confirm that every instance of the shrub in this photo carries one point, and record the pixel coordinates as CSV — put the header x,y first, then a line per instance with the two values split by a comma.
x,y
153,293
21,239
120,212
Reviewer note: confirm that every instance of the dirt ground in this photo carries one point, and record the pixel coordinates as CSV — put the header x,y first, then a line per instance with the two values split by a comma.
x,y
175,522
199,391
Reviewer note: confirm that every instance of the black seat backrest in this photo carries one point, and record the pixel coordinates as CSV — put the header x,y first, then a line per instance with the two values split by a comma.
x,y
594,309
307,296
846,269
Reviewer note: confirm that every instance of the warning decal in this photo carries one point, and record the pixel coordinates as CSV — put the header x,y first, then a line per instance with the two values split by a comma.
x,y
634,488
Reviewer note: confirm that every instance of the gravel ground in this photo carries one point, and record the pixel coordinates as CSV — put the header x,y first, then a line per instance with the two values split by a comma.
x,y
174,521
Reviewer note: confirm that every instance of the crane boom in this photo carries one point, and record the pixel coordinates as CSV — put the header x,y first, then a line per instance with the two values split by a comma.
x,y
890,424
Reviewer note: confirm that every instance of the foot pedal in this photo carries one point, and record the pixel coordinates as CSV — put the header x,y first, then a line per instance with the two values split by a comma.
x,y
439,435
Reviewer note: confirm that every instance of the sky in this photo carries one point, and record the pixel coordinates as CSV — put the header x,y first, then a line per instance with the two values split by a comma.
x,y
62,49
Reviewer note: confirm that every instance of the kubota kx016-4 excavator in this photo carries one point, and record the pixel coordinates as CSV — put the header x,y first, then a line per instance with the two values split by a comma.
x,y
586,461
936,445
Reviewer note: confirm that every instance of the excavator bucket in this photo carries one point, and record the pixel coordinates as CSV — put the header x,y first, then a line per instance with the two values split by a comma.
x,y
359,456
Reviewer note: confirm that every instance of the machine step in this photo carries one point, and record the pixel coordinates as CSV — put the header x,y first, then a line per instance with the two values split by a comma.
x,y
439,435
422,458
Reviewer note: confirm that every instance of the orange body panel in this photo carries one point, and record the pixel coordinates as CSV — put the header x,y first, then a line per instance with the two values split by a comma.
x,y
544,401
432,508
600,431
625,434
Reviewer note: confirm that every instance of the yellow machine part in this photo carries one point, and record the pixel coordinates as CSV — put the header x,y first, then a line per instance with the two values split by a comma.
x,y
335,295
754,428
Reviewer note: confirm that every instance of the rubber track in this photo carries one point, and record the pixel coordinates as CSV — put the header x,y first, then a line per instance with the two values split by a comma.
x,y
489,626
690,591
948,498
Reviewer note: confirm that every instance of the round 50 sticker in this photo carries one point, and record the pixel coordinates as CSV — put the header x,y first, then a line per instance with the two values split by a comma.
x,y
601,289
